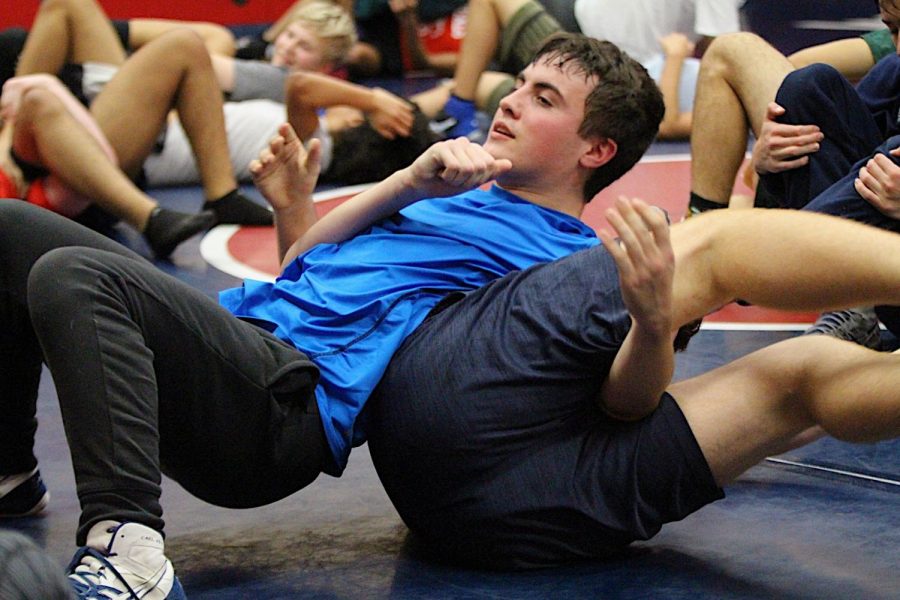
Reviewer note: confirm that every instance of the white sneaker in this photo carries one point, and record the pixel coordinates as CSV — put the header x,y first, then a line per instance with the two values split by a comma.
x,y
133,565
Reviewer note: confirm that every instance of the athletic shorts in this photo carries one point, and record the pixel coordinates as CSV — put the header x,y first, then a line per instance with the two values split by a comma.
x,y
486,433
880,43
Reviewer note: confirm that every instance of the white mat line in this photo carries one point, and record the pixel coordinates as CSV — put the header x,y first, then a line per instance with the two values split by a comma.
x,y
792,463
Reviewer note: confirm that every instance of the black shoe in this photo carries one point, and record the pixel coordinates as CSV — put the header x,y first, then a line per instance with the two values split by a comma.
x,y
858,325
167,228
236,209
22,495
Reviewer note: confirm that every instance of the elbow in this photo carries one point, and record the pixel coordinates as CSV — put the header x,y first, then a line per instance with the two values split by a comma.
x,y
297,84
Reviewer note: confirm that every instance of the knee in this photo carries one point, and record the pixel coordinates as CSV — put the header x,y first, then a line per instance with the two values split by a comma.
x,y
183,43
37,105
729,52
56,5
797,87
56,277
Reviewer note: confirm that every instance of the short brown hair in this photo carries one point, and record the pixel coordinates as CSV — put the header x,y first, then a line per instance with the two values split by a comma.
x,y
625,106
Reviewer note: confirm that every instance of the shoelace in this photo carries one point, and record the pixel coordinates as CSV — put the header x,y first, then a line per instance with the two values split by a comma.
x,y
89,575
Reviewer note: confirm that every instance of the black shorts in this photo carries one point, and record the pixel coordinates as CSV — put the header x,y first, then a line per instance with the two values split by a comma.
x,y
487,436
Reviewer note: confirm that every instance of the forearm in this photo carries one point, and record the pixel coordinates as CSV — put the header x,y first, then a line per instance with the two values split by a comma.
x,y
291,224
640,373
378,202
318,90
675,124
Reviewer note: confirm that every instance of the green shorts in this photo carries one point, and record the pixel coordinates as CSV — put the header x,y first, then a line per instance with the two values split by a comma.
x,y
880,43
523,35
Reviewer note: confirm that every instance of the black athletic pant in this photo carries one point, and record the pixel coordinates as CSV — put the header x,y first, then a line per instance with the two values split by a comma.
x,y
151,375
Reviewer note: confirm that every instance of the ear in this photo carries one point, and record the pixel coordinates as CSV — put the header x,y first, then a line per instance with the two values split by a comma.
x,y
601,152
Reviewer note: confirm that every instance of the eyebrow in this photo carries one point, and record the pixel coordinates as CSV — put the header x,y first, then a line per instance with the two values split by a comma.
x,y
542,85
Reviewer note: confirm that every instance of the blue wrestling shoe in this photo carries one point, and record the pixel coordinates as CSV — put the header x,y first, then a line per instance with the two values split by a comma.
x,y
22,495
857,325
463,112
133,566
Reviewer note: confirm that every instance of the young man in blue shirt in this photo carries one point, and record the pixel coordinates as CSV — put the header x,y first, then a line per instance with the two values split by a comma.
x,y
153,376
247,405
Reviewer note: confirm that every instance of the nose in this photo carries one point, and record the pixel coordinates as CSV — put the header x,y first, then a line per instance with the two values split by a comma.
x,y
509,103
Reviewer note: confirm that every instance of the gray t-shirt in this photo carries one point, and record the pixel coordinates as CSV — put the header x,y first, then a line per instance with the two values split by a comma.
x,y
255,80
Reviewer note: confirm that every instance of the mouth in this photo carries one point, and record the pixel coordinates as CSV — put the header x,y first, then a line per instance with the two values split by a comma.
x,y
501,130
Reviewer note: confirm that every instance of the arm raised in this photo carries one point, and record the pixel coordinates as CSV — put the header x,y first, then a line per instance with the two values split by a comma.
x,y
644,365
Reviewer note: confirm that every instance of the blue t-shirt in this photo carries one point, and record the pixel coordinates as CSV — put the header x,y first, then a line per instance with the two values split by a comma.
x,y
349,306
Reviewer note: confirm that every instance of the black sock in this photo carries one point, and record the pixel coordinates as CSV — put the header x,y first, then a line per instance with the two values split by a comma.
x,y
236,209
167,228
699,204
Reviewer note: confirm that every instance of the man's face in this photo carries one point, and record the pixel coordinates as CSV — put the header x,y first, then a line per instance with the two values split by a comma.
x,y
297,47
536,125
890,16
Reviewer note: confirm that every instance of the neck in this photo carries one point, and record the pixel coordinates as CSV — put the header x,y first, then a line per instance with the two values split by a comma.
x,y
569,203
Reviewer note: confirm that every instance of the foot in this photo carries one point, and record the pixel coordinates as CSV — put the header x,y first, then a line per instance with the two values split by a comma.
x,y
22,495
463,111
236,209
858,325
128,562
167,228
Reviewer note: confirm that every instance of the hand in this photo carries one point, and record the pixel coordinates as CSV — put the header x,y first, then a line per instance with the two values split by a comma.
x,y
342,117
781,147
390,115
451,167
879,184
286,172
646,262
677,45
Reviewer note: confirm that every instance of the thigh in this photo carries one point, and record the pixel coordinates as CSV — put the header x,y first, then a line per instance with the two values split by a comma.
x,y
133,107
740,413
233,406
28,232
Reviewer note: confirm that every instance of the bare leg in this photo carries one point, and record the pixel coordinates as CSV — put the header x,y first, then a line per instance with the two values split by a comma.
x,y
216,38
772,400
787,259
76,31
485,20
739,76
173,71
46,134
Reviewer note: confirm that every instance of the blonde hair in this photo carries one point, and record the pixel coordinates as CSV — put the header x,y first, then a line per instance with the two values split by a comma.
x,y
329,21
